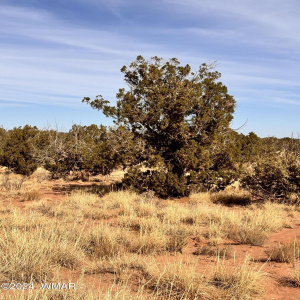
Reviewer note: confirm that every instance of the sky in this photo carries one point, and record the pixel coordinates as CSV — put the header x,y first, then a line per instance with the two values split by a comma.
x,y
54,53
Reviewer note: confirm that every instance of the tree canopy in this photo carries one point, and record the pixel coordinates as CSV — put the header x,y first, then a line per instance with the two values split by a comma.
x,y
182,115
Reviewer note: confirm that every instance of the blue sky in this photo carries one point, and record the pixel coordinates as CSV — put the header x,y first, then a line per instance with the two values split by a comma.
x,y
54,53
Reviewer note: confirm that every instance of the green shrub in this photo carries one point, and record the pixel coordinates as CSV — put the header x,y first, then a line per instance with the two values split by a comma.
x,y
17,150
162,183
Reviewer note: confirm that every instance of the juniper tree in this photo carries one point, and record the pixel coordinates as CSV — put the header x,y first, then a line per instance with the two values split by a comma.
x,y
182,115
17,150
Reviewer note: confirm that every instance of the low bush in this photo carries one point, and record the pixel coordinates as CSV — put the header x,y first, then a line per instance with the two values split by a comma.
x,y
276,178
236,197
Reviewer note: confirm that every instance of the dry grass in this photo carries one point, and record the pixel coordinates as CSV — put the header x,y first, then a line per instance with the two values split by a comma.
x,y
33,195
238,282
139,240
248,234
26,257
286,252
11,182
103,241
115,292
251,226
25,221
224,252
289,254
40,175
196,198
294,278
12,185
178,280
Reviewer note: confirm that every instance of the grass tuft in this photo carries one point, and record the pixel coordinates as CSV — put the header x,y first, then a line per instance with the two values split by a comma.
x,y
238,282
32,196
224,252
286,252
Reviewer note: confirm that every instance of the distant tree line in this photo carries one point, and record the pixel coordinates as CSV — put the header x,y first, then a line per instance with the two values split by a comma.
x,y
96,149
268,167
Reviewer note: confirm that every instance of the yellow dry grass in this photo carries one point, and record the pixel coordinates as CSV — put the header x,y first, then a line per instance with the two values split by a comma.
x,y
123,234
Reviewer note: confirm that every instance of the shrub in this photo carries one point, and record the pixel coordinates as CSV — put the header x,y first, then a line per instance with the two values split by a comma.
x,y
231,197
41,175
275,179
17,151
11,182
162,183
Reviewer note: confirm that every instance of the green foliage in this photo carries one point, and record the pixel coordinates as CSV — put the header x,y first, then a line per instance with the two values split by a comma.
x,y
2,139
104,149
17,149
250,146
162,183
183,116
93,149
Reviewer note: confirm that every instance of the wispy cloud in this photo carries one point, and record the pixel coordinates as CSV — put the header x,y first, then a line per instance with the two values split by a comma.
x,y
286,101
50,56
54,57
11,104
43,27
271,19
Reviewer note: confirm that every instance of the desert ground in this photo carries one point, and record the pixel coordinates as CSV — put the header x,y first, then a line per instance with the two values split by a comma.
x,y
122,245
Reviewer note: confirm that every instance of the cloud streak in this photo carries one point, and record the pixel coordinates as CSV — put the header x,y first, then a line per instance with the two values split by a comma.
x,y
53,57
49,57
